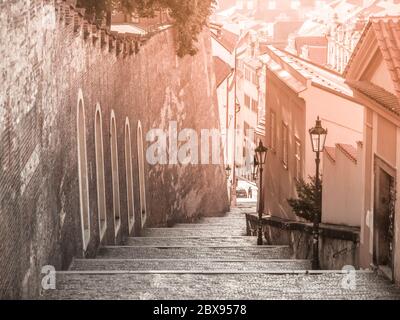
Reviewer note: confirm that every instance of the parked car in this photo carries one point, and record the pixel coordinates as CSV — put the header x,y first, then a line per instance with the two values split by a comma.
x,y
241,193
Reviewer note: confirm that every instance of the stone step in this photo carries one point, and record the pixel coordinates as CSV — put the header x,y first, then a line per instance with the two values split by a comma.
x,y
229,253
222,220
230,286
241,224
194,232
192,241
189,266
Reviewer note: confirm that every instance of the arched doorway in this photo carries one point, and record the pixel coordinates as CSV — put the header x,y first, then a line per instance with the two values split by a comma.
x,y
101,190
129,175
142,185
83,171
115,173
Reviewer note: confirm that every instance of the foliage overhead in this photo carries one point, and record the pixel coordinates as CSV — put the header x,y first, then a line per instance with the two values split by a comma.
x,y
189,15
308,202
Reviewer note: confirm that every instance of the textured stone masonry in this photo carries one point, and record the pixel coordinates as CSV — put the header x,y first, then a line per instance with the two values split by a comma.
x,y
241,253
191,241
219,286
188,265
204,272
49,54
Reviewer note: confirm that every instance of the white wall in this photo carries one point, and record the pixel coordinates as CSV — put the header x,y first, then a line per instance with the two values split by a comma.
x,y
343,118
343,190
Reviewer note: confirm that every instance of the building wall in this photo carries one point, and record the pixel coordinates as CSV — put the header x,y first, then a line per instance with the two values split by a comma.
x,y
226,106
299,113
220,51
280,180
342,117
382,139
343,190
397,215
47,59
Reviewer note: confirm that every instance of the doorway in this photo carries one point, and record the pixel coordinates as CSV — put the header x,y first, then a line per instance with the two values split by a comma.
x,y
142,186
115,173
83,172
384,213
101,191
129,176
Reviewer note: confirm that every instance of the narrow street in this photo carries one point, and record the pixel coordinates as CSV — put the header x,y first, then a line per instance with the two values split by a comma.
x,y
213,259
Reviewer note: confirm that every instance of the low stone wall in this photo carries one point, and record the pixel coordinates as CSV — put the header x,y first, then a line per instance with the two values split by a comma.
x,y
339,245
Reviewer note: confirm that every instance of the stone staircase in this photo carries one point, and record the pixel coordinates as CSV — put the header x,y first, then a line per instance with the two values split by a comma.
x,y
212,259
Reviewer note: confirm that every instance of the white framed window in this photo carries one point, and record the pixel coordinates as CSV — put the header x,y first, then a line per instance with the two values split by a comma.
x,y
285,145
295,4
272,125
298,160
247,101
272,4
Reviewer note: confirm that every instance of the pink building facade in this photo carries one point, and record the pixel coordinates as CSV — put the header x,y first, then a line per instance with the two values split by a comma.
x,y
373,73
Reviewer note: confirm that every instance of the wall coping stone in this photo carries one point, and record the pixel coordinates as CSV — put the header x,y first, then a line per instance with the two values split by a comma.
x,y
340,232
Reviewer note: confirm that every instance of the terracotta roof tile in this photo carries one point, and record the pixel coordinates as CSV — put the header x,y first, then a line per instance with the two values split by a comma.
x,y
331,153
348,150
227,39
378,94
387,34
221,69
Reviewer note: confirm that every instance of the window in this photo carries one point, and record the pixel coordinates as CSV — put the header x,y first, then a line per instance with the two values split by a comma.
x,y
247,101
295,4
254,78
272,4
273,131
254,105
285,144
247,74
246,129
298,160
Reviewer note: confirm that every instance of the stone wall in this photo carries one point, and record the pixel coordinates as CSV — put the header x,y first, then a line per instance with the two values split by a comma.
x,y
48,55
338,246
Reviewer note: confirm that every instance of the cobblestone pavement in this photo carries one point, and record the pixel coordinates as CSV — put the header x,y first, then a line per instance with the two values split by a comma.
x,y
166,252
188,265
219,286
192,241
211,259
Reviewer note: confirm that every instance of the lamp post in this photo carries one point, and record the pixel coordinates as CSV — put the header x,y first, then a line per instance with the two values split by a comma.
x,y
228,171
318,137
255,169
261,156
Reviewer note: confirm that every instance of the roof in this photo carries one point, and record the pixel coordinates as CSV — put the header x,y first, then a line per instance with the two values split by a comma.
x,y
252,62
348,150
378,94
386,31
318,75
226,38
222,70
331,153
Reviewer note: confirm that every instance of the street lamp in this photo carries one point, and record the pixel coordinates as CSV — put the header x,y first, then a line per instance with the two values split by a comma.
x,y
318,138
228,171
261,156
